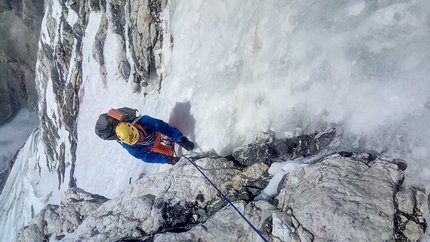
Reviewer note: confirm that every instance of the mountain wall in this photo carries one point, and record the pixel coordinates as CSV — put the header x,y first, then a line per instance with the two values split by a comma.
x,y
338,197
137,27
20,23
341,196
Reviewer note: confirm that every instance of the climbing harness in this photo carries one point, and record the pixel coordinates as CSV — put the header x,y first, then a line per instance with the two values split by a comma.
x,y
226,199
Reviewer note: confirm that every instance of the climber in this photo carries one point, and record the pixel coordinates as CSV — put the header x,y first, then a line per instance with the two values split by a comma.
x,y
143,140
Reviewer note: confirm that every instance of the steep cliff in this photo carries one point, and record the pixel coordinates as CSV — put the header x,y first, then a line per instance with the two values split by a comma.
x,y
19,36
122,49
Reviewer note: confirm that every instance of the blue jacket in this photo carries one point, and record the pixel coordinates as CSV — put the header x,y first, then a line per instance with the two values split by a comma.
x,y
144,152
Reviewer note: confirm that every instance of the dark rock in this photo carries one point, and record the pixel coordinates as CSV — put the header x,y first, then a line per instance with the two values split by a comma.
x,y
268,150
402,165
252,188
18,52
345,154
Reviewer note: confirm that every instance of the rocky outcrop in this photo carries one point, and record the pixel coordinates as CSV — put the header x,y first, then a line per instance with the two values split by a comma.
x,y
157,206
75,206
356,193
140,32
19,35
339,197
62,72
267,149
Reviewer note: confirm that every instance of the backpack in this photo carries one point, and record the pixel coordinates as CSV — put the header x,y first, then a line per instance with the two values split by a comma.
x,y
107,122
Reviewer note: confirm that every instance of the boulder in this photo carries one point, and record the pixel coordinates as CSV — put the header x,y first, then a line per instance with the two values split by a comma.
x,y
409,220
351,197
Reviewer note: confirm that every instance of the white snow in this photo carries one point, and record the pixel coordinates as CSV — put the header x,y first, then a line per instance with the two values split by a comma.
x,y
278,170
293,67
23,191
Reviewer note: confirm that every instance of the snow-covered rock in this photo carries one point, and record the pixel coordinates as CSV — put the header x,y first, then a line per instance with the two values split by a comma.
x,y
138,27
343,197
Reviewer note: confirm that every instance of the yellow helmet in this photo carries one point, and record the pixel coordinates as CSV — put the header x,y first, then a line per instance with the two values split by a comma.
x,y
127,133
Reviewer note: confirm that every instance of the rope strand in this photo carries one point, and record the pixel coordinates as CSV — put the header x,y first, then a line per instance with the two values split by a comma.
x,y
226,199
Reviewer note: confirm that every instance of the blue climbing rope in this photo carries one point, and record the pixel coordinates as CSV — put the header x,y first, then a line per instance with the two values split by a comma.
x,y
225,198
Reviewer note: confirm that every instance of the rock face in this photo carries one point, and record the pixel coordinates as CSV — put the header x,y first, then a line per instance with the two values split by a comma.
x,y
75,206
341,197
138,27
178,202
356,190
19,35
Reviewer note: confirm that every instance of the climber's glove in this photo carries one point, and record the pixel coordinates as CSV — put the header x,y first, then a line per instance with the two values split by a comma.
x,y
186,144
172,160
